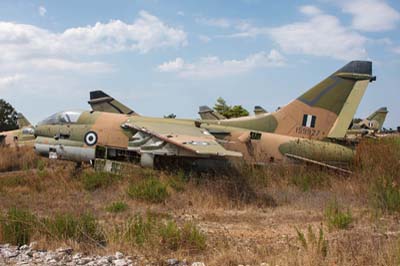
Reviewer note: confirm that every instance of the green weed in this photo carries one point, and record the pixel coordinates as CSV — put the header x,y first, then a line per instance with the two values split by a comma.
x,y
96,180
83,228
117,206
336,218
151,190
385,195
310,242
17,226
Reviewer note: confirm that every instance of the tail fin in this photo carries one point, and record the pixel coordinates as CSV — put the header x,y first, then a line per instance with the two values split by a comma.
x,y
379,116
100,101
22,121
258,110
206,113
327,109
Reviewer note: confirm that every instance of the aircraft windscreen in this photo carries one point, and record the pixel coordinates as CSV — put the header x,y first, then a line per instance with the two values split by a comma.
x,y
66,117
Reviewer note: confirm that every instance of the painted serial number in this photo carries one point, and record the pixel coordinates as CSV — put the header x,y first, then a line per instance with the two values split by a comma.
x,y
312,132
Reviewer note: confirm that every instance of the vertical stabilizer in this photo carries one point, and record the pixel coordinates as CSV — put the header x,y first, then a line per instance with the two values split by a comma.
x,y
206,113
22,121
102,102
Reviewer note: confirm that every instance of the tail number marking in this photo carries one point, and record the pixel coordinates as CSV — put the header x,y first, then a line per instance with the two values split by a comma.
x,y
312,132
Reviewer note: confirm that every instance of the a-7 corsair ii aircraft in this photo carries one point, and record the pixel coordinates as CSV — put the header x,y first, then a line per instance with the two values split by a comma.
x,y
291,133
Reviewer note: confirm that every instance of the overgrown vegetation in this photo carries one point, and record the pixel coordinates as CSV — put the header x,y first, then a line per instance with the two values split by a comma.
x,y
150,231
315,244
336,217
83,228
21,158
385,194
95,180
307,179
117,206
378,162
17,226
245,214
149,189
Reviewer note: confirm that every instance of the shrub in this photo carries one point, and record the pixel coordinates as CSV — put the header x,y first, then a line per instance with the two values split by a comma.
x,y
177,182
83,228
95,180
336,218
309,242
385,195
17,226
151,190
193,238
139,230
117,206
189,236
170,235
307,180
150,231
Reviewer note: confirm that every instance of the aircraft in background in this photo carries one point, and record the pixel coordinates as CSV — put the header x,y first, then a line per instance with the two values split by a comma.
x,y
369,126
24,135
258,110
291,133
206,113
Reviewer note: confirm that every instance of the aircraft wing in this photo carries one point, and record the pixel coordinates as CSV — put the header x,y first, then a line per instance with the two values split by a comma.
x,y
175,138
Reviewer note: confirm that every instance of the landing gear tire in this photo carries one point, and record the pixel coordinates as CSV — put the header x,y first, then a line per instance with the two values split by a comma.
x,y
147,160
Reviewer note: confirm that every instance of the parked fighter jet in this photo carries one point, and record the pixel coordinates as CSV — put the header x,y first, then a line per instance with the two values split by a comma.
x,y
323,111
21,136
374,121
206,113
369,126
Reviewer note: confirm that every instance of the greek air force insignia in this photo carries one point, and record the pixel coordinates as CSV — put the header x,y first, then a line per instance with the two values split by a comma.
x,y
91,138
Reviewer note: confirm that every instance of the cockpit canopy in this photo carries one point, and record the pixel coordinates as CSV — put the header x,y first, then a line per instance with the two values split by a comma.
x,y
65,117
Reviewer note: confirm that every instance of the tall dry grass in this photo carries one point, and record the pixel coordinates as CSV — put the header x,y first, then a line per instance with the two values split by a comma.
x,y
18,158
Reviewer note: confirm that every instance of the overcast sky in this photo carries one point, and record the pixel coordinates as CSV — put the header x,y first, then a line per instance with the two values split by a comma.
x,y
162,57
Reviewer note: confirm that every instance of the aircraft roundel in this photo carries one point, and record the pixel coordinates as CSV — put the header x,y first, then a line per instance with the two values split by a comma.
x,y
91,138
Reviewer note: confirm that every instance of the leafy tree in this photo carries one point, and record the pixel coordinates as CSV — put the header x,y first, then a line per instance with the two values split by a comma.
x,y
8,116
221,106
229,111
